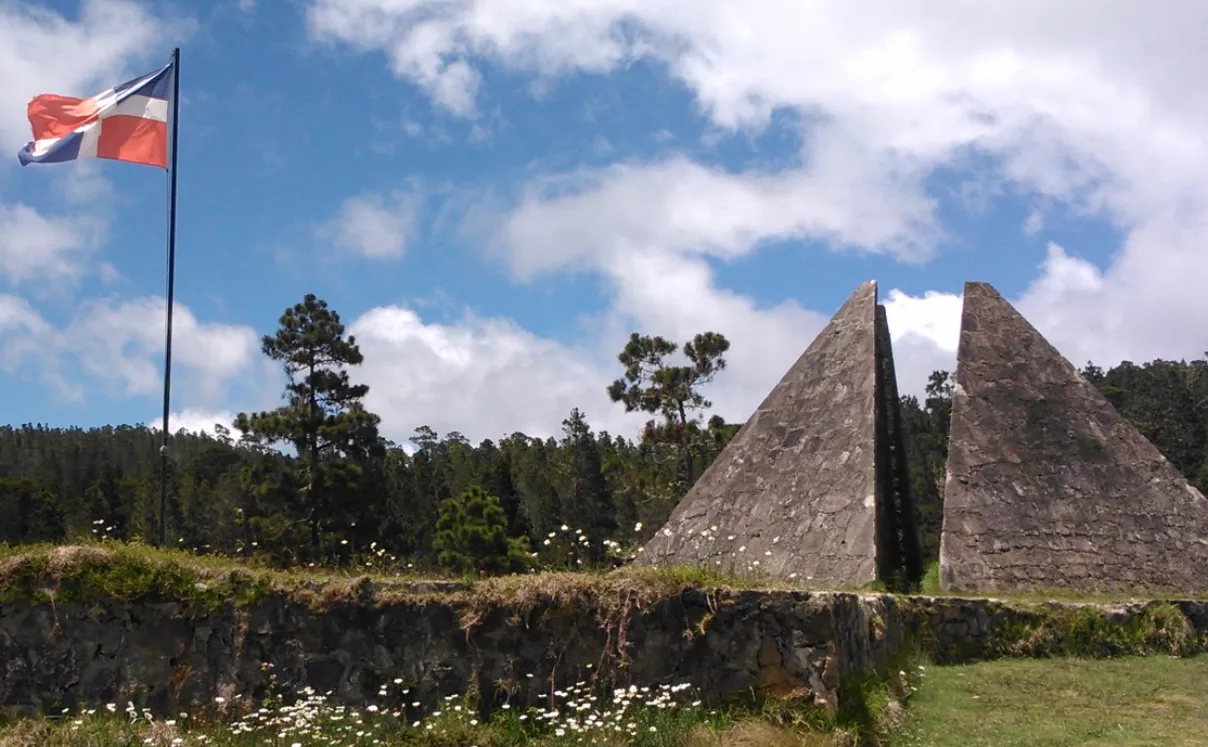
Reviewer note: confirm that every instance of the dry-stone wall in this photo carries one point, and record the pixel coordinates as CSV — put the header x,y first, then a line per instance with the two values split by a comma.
x,y
170,656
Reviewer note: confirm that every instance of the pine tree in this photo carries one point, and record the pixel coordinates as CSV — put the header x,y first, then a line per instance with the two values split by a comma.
x,y
586,499
471,535
324,418
651,384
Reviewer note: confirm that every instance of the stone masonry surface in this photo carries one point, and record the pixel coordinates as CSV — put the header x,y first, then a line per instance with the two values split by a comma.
x,y
166,657
169,657
1048,486
793,494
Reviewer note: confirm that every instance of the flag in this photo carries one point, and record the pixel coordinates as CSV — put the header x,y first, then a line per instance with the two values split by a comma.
x,y
126,123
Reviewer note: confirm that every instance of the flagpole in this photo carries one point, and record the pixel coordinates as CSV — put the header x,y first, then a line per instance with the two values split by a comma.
x,y
163,449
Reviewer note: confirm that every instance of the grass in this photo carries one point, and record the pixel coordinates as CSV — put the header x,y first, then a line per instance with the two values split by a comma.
x,y
1130,701
1156,700
135,571
130,571
643,717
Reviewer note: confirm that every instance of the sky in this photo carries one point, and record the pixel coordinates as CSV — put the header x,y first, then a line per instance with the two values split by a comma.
x,y
493,194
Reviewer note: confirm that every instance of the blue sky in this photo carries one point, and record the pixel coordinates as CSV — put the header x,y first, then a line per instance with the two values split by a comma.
x,y
493,196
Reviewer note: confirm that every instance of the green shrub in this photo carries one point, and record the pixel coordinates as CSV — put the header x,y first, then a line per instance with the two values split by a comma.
x,y
471,535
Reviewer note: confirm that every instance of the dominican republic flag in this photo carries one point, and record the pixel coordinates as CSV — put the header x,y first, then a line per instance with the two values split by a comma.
x,y
126,123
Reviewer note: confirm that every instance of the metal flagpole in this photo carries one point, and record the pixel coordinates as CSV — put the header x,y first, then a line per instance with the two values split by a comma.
x,y
163,449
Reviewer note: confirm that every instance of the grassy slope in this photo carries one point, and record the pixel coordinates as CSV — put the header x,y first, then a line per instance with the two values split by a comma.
x,y
1156,700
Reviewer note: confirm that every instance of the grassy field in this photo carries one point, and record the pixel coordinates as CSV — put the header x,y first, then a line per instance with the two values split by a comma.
x,y
1155,700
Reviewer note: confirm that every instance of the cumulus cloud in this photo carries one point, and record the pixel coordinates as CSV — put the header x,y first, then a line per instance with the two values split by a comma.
x,y
484,377
34,246
1090,106
925,331
764,341
586,219
374,225
121,345
24,338
198,421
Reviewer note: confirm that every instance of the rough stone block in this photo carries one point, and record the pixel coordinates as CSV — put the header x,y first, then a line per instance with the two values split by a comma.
x,y
1048,486
812,487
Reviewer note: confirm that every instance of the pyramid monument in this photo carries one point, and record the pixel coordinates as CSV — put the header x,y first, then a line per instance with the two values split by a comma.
x,y
1048,486
813,487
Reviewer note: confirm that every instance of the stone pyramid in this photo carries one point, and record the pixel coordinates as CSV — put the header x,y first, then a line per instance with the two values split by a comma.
x,y
813,486
1048,486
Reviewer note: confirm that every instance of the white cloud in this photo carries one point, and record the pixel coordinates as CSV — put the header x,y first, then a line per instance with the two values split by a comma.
x,y
925,331
934,317
1095,106
197,421
677,206
375,226
33,246
487,377
764,341
1034,223
484,377
121,345
123,342
27,343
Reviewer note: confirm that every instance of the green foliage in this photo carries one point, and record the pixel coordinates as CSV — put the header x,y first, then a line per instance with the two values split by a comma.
x,y
31,513
130,573
653,385
926,430
586,495
324,418
471,535
1088,631
930,583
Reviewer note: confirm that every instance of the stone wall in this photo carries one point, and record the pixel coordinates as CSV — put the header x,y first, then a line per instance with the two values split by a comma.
x,y
167,656
170,656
